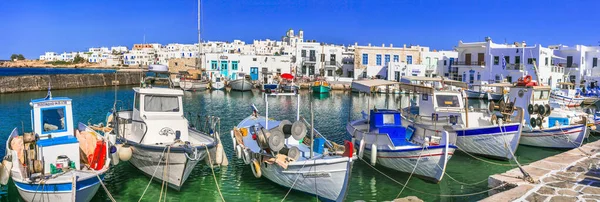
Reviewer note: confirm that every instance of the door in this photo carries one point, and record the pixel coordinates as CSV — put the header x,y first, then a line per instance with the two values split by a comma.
x,y
569,61
397,76
468,59
254,73
480,59
224,69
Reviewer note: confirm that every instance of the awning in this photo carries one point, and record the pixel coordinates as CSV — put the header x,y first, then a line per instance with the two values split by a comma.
x,y
365,86
435,79
554,56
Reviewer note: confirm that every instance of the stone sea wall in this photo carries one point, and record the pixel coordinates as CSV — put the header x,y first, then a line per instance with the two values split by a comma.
x,y
11,84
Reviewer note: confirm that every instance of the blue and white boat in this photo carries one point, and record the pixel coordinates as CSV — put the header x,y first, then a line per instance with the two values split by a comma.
x,y
567,95
47,163
284,153
382,137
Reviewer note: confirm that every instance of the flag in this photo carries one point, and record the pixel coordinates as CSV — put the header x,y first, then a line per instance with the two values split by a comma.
x,y
503,62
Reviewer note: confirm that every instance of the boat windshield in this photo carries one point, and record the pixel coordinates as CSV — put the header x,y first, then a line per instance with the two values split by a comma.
x,y
161,103
447,101
53,119
541,95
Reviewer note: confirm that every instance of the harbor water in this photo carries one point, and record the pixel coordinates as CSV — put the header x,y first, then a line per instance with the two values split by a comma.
x,y
237,183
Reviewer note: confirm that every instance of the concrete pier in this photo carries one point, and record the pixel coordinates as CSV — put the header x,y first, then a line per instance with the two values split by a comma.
x,y
573,175
12,84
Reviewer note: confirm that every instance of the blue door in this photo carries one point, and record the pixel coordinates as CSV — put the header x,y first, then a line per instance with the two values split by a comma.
x,y
254,73
224,69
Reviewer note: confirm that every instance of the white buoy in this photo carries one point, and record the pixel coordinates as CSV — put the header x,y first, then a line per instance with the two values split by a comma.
x,y
361,148
219,154
373,154
114,157
238,151
125,153
112,138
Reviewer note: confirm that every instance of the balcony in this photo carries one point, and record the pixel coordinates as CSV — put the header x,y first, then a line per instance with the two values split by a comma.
x,y
312,59
518,67
567,65
469,63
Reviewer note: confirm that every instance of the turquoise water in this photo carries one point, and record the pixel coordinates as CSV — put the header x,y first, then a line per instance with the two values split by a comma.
x,y
237,183
44,71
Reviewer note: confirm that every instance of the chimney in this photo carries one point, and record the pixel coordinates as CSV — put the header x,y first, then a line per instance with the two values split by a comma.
x,y
355,43
524,44
391,45
369,44
383,45
404,45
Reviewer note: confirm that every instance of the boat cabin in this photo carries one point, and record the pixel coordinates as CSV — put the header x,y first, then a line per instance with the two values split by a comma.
x,y
158,116
567,89
52,122
441,102
523,96
385,121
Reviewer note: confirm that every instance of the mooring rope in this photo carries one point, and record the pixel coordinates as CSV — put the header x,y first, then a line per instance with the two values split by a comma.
x,y
156,169
431,194
105,189
162,185
411,173
213,173
294,183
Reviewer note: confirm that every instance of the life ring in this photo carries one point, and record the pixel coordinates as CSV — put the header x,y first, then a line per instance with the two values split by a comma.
x,y
255,166
527,79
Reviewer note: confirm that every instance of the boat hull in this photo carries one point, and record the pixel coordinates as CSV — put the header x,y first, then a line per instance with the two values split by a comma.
x,y
217,85
321,89
241,85
327,179
60,191
146,158
193,85
565,137
564,100
493,142
269,87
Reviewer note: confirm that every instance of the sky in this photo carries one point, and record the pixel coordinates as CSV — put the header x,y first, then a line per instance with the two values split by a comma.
x,y
32,27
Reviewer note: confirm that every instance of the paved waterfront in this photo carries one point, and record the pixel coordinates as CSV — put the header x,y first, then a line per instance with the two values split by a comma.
x,y
570,176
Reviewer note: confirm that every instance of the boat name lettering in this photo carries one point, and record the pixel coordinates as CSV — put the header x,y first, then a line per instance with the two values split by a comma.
x,y
315,175
52,103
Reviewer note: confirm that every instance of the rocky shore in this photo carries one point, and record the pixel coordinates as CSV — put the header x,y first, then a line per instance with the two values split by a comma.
x,y
42,64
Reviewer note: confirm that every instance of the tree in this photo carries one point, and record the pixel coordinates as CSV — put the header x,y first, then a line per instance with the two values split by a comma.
x,y
78,59
17,57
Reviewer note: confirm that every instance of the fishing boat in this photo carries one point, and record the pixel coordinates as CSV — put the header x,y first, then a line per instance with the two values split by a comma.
x,y
242,84
321,87
161,138
382,137
269,87
567,95
476,92
544,127
481,131
282,152
56,162
217,83
499,92
192,80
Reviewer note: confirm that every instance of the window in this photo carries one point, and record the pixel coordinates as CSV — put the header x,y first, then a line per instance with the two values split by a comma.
x,y
517,59
541,95
447,101
531,61
254,59
396,58
156,103
496,60
509,79
53,120
378,57
445,62
329,72
365,59
234,65
507,59
303,53
497,78
213,64
136,102
387,59
478,76
364,74
594,62
409,59
546,61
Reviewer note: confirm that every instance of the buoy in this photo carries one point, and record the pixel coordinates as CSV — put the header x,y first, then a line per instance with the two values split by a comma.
x,y
276,140
373,154
255,166
247,156
238,151
219,154
361,148
299,130
125,153
114,157
112,138
5,171
527,79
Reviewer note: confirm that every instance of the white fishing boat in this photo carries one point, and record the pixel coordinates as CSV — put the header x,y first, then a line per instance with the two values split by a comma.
x,y
543,127
281,152
500,90
217,83
481,131
383,138
567,95
161,137
241,84
46,164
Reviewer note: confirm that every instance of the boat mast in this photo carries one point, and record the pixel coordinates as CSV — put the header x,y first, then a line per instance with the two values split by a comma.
x,y
199,62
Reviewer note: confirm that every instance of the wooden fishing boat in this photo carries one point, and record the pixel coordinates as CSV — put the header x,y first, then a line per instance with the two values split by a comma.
x,y
321,87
